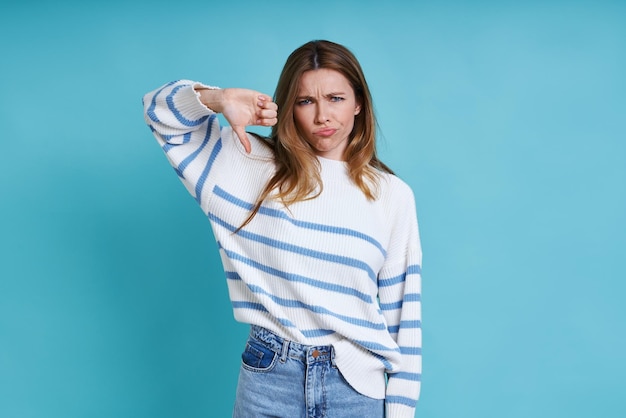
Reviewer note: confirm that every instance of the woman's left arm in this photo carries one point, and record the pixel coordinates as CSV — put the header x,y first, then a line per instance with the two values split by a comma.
x,y
400,293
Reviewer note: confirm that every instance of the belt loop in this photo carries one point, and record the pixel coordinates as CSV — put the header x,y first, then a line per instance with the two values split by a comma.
x,y
284,351
332,357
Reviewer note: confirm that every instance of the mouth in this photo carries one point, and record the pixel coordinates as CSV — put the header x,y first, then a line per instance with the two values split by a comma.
x,y
325,132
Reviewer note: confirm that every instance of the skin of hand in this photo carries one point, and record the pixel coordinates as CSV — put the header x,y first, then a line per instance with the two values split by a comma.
x,y
241,108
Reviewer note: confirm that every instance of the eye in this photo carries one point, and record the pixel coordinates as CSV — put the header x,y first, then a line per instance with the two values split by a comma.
x,y
303,102
337,99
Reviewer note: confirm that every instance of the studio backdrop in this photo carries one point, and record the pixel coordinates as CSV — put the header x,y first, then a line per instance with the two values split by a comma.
x,y
506,119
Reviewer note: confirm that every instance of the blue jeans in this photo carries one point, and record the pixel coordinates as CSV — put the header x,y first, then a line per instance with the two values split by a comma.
x,y
284,379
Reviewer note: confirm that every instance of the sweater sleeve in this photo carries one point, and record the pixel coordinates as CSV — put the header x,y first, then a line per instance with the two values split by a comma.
x,y
400,290
188,133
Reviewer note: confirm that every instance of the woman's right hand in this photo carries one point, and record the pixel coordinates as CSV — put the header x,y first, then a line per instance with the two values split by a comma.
x,y
241,108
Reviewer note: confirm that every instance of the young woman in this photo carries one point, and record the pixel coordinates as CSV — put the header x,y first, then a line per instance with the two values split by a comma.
x,y
318,239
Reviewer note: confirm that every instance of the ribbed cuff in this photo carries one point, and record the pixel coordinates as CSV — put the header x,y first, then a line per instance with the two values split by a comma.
x,y
187,102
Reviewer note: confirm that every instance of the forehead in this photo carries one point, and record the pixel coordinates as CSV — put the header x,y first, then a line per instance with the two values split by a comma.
x,y
323,81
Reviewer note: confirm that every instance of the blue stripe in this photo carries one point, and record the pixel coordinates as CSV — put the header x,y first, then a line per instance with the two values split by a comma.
x,y
333,258
409,297
412,297
298,278
390,281
415,377
275,213
150,112
313,333
290,303
372,346
412,351
411,324
394,329
401,400
170,104
414,269
391,306
169,137
285,322
218,191
168,146
248,305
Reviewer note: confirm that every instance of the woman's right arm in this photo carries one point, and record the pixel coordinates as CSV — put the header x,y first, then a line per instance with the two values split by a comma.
x,y
182,117
179,108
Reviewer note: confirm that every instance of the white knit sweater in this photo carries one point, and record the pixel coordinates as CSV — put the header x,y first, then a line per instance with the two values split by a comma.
x,y
335,270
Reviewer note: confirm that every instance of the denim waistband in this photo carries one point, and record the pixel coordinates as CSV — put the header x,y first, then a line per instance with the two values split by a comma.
x,y
284,348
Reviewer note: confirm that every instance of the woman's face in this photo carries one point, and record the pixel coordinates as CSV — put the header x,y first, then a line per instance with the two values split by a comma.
x,y
325,110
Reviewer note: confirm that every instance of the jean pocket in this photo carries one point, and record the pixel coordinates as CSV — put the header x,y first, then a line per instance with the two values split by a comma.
x,y
256,357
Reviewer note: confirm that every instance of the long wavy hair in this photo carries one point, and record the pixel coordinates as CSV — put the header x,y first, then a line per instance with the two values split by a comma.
x,y
297,175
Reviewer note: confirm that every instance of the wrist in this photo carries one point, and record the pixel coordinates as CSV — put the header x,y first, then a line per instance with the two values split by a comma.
x,y
210,97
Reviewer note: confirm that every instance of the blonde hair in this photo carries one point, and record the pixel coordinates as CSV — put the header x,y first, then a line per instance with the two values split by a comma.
x,y
297,175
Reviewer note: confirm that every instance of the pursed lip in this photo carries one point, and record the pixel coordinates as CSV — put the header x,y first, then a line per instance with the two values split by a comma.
x,y
325,132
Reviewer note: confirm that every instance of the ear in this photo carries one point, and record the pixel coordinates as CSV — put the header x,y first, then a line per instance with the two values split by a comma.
x,y
357,109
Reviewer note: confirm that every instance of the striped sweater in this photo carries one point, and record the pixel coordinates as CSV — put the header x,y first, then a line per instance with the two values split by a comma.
x,y
335,270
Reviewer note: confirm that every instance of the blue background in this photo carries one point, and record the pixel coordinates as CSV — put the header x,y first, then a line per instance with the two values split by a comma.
x,y
506,118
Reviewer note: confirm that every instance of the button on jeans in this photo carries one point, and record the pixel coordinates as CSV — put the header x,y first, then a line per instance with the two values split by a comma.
x,y
284,379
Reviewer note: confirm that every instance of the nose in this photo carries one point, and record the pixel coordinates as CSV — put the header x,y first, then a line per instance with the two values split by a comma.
x,y
321,113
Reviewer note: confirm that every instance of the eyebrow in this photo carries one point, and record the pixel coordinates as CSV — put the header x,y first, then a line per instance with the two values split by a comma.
x,y
332,94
